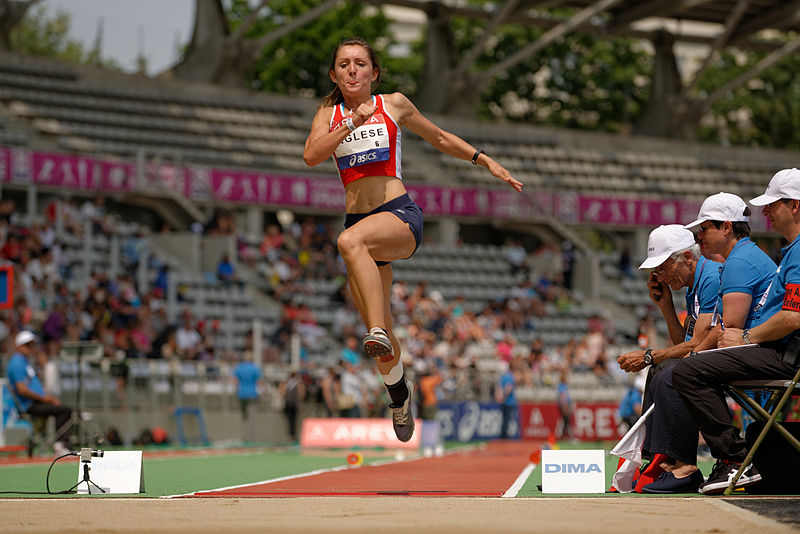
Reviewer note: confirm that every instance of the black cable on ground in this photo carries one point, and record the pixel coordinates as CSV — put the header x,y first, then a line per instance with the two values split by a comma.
x,y
46,481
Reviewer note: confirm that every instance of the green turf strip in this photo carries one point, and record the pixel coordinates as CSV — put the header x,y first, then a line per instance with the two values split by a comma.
x,y
530,488
176,474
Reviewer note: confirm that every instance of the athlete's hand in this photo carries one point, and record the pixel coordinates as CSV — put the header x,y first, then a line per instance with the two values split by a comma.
x,y
502,173
363,113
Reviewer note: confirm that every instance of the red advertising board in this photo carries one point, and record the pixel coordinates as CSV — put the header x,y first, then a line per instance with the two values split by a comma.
x,y
343,433
6,286
590,422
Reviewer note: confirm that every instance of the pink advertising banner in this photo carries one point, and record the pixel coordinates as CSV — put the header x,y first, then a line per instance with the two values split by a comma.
x,y
81,172
202,183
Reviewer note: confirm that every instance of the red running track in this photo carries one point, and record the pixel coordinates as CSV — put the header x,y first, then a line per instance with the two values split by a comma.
x,y
484,472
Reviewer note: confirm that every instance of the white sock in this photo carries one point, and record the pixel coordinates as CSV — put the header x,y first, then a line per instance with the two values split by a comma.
x,y
394,375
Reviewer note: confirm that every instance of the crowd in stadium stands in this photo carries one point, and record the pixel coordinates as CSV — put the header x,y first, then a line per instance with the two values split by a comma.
x,y
434,332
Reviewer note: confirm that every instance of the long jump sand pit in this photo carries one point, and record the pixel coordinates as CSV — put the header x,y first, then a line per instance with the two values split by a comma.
x,y
446,515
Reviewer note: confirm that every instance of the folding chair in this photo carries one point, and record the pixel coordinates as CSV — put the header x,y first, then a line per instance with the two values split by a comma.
x,y
781,392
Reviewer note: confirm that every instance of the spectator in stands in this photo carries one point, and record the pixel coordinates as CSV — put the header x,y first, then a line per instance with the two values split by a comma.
x,y
187,338
567,263
625,267
247,376
328,387
517,256
699,380
94,211
428,383
293,392
29,393
351,392
362,133
565,405
226,273
349,351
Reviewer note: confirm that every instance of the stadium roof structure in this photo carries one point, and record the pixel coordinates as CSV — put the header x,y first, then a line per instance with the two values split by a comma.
x,y
758,24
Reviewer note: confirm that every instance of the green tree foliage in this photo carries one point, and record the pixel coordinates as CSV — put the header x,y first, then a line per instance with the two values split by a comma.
x,y
581,81
299,62
40,34
765,111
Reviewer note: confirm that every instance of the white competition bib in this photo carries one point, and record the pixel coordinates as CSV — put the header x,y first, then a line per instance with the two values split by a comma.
x,y
367,144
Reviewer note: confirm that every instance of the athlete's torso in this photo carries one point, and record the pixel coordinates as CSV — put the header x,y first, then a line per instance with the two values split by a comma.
x,y
373,149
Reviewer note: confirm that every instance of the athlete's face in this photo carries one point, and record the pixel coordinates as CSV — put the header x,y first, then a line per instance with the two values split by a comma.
x,y
353,71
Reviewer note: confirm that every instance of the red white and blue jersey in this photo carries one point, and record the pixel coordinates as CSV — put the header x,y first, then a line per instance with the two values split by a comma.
x,y
373,149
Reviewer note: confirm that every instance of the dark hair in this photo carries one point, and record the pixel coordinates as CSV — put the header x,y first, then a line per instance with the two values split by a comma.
x,y
335,96
740,229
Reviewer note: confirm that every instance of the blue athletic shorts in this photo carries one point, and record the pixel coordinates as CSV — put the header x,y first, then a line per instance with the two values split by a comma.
x,y
404,208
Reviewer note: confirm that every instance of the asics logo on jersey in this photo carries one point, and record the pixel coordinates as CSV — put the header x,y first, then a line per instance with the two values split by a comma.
x,y
358,159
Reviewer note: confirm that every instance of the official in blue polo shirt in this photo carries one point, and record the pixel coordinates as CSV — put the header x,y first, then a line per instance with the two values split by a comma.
x,y
677,263
747,272
699,380
29,393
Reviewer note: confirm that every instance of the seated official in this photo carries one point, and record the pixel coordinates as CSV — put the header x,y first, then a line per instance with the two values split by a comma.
x,y
29,393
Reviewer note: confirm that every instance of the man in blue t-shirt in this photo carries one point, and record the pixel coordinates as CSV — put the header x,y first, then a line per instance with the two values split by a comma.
x,y
699,380
508,401
247,375
29,393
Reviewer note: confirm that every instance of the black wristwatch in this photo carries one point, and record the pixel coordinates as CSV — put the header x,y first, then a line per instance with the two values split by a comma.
x,y
648,357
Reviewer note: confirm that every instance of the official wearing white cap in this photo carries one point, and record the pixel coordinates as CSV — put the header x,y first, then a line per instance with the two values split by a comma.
x,y
676,257
677,263
784,184
665,241
29,393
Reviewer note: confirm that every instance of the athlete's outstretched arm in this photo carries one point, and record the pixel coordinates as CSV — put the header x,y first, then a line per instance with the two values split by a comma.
x,y
445,141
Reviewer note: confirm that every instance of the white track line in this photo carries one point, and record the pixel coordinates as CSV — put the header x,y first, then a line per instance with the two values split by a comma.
x,y
521,479
279,479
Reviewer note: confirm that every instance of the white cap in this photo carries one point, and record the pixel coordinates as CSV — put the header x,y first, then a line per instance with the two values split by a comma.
x,y
24,337
664,241
721,207
785,184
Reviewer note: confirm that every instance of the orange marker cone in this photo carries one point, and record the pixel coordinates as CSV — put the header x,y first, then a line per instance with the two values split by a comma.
x,y
355,459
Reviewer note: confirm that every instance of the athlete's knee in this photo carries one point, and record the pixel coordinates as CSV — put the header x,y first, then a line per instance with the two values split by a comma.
x,y
348,243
